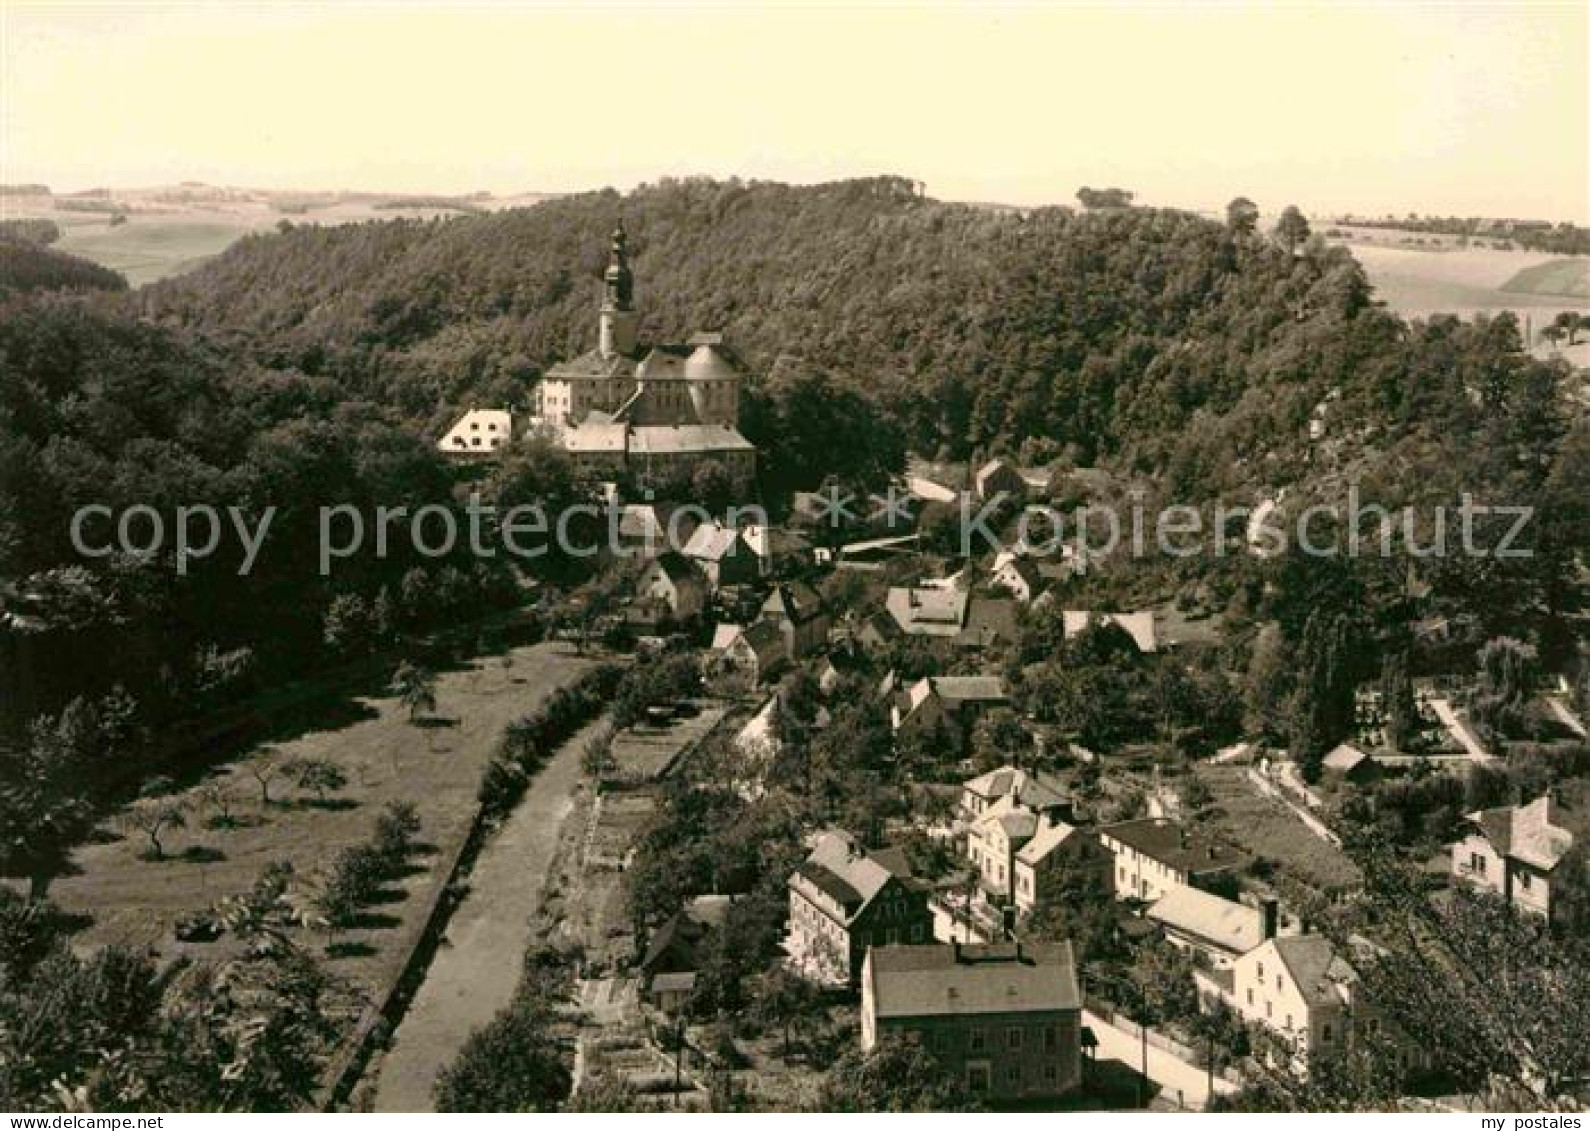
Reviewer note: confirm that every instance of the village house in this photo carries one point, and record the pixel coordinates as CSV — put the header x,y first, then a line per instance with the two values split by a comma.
x,y
801,616
831,673
1028,788
672,992
843,900
1058,848
673,582
757,744
479,433
642,530
950,612
998,476
677,945
750,655
1350,764
1301,992
1155,854
779,550
1008,811
928,610
1005,1018
1017,575
724,554
991,844
991,622
926,489
1216,930
1513,850
1139,626
947,705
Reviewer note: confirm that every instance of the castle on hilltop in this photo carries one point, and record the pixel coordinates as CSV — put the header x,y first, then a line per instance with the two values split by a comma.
x,y
656,412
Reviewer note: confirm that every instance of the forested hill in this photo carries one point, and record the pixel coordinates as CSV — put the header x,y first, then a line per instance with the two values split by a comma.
x,y
26,266
972,326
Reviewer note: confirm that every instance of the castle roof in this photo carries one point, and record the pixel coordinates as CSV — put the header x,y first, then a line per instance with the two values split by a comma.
x,y
675,439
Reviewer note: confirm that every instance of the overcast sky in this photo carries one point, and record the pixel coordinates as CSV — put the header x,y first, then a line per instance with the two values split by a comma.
x,y
1472,109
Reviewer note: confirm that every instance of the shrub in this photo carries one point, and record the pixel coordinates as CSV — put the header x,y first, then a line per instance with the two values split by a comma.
x,y
531,740
511,1064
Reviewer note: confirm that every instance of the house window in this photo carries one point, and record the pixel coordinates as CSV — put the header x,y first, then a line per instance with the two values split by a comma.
x,y
1013,1075
1051,1038
1476,863
1013,1037
975,1040
1261,971
1051,1072
977,1077
1269,1009
1250,995
1524,880
1325,1033
1288,1020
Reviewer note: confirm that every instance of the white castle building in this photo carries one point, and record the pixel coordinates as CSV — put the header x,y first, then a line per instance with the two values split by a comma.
x,y
657,412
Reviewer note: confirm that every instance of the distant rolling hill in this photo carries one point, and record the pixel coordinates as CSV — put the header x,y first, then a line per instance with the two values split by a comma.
x,y
153,233
1568,278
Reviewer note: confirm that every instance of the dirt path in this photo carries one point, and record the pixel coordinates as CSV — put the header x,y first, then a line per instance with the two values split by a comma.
x,y
477,966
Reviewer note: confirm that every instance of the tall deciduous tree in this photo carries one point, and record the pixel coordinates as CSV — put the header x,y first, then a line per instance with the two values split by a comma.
x,y
1242,216
415,687
1292,229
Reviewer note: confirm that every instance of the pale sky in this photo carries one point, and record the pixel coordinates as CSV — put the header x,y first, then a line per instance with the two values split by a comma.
x,y
1469,109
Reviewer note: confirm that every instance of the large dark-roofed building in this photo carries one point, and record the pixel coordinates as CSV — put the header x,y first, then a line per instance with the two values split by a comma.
x,y
1005,1018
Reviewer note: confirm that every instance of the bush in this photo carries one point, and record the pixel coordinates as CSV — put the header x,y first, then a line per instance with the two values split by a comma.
x,y
511,1064
358,871
395,830
532,739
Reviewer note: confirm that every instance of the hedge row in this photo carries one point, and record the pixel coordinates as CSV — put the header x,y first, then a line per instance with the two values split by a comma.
x,y
530,740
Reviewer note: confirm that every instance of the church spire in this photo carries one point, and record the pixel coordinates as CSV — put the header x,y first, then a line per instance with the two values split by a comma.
x,y
620,283
617,334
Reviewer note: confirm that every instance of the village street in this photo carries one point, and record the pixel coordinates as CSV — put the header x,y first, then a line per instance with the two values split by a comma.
x,y
1177,1079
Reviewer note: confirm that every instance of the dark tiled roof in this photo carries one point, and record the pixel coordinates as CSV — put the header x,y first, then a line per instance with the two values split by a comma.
x,y
940,980
1170,843
678,568
1315,966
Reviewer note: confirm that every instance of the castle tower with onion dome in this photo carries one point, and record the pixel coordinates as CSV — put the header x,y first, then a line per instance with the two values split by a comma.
x,y
655,412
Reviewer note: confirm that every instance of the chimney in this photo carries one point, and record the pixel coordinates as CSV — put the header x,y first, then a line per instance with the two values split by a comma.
x,y
1270,909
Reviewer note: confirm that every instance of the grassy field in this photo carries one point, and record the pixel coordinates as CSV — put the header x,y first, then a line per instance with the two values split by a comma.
x,y
1466,281
129,899
1268,830
150,248
171,230
1565,277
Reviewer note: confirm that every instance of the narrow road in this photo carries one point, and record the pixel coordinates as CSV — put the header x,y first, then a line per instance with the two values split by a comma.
x,y
476,968
1565,716
1170,1072
1459,730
